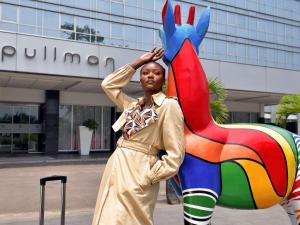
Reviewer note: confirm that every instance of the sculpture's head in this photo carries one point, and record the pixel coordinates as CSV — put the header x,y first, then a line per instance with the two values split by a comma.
x,y
173,33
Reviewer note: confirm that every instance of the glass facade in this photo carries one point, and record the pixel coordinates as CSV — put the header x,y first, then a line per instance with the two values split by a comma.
x,y
20,128
72,116
243,117
265,32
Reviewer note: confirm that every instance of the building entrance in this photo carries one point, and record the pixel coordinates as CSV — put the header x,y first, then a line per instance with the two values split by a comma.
x,y
20,128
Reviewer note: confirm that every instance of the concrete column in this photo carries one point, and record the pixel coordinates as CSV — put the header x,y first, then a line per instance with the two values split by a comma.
x,y
298,123
51,118
261,116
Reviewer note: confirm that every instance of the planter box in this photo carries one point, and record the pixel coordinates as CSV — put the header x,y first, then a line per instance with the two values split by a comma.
x,y
85,136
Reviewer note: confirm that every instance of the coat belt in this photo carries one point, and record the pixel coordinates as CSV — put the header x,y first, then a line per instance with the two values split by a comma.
x,y
137,146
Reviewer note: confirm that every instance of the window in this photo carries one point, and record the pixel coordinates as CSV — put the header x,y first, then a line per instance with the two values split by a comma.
x,y
221,17
84,4
270,54
27,20
220,47
231,19
103,28
148,4
116,30
71,116
68,2
103,6
231,49
131,2
252,24
9,13
51,24
148,38
83,25
67,25
130,36
209,45
252,54
83,29
241,53
117,8
67,22
281,57
131,11
262,56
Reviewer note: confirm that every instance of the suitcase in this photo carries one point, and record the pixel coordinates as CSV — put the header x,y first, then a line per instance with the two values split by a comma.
x,y
43,182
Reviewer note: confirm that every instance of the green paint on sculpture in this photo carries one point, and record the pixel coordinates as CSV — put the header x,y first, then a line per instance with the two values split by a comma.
x,y
200,200
236,192
197,212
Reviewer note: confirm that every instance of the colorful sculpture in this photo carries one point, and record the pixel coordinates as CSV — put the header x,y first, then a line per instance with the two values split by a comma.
x,y
245,166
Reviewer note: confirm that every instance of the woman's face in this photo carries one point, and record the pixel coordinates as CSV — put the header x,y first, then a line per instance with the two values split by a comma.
x,y
152,77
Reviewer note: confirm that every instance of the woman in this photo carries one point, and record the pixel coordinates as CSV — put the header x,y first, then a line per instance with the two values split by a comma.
x,y
130,182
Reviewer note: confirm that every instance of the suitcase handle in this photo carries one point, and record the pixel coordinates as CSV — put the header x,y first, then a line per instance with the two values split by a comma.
x,y
43,180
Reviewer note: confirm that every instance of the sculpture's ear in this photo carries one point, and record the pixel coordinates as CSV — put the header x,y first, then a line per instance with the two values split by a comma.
x,y
203,23
168,19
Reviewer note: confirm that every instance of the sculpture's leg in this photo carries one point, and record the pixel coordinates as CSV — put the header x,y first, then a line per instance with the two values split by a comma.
x,y
200,181
288,207
292,203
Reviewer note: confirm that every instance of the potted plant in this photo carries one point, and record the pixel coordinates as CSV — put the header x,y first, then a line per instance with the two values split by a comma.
x,y
85,135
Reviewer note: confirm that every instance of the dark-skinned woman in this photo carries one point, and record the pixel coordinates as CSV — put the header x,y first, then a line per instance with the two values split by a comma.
x,y
130,182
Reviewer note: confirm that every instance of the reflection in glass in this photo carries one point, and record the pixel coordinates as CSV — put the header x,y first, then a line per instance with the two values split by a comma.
x,y
103,28
5,142
33,142
67,35
96,143
34,115
82,37
21,114
67,22
20,142
69,122
5,114
83,25
65,127
81,113
97,39
106,127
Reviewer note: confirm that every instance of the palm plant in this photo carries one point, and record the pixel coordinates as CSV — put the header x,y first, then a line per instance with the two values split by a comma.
x,y
217,100
288,105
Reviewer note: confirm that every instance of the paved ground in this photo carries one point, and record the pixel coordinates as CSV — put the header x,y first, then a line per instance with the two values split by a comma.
x,y
19,197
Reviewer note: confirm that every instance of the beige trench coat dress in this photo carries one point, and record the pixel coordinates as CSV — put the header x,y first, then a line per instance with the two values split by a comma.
x,y
130,182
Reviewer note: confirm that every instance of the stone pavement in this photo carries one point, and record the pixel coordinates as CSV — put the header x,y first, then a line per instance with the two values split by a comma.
x,y
19,194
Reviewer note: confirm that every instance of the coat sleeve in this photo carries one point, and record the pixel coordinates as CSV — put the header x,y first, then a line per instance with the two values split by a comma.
x,y
173,141
113,84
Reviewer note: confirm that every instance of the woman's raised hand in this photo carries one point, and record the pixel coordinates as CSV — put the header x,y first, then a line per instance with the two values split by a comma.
x,y
153,55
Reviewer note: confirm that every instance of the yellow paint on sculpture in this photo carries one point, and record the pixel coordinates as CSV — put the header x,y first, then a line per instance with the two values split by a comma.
x,y
287,150
263,192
